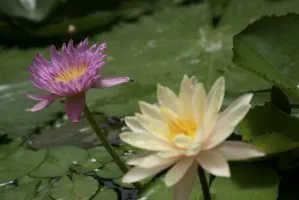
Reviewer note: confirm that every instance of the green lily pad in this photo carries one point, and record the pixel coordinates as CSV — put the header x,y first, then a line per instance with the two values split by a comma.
x,y
13,165
77,188
106,194
271,129
269,48
240,13
248,181
109,171
43,190
101,155
77,134
18,121
25,191
119,182
59,160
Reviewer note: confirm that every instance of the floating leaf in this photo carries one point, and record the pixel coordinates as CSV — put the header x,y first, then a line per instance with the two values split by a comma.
x,y
280,100
77,188
268,48
110,171
106,194
101,155
20,162
79,134
271,129
59,160
240,13
25,191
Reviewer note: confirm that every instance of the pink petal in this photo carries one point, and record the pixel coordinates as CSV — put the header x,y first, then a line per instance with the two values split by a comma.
x,y
234,150
103,82
74,107
41,105
184,187
214,163
42,97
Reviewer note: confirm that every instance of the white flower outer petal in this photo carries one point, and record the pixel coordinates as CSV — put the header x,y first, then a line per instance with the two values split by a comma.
x,y
175,174
214,163
235,150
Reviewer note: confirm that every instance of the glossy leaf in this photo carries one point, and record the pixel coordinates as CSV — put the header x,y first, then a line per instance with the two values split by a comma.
x,y
20,162
106,194
265,49
77,188
59,160
271,129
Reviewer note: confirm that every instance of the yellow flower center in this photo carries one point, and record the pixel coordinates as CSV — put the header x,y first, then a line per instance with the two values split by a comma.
x,y
187,127
70,73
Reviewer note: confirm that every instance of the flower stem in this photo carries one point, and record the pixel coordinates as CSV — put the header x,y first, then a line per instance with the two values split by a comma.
x,y
101,133
204,184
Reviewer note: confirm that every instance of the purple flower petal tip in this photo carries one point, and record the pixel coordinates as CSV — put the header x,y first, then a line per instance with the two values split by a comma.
x,y
103,82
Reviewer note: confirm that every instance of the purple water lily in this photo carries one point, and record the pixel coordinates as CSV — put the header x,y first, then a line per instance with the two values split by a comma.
x,y
70,74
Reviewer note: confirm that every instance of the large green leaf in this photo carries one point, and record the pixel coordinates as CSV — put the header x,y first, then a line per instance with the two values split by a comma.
x,y
25,191
240,13
237,16
271,129
269,49
162,53
248,181
13,165
106,194
59,160
67,133
77,188
13,102
110,171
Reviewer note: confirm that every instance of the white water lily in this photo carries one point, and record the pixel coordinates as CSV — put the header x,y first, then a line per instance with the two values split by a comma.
x,y
187,131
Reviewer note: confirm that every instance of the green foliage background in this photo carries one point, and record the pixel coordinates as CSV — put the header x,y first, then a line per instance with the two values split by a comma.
x,y
252,43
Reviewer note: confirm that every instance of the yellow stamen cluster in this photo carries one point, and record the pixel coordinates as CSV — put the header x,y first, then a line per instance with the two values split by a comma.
x,y
70,73
187,127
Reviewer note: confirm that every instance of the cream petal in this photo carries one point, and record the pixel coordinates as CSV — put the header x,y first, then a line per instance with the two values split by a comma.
x,y
227,121
152,160
174,175
133,159
135,125
214,163
168,114
242,100
147,142
182,141
138,173
149,110
198,103
186,93
213,104
169,99
195,147
235,150
167,154
183,188
155,127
